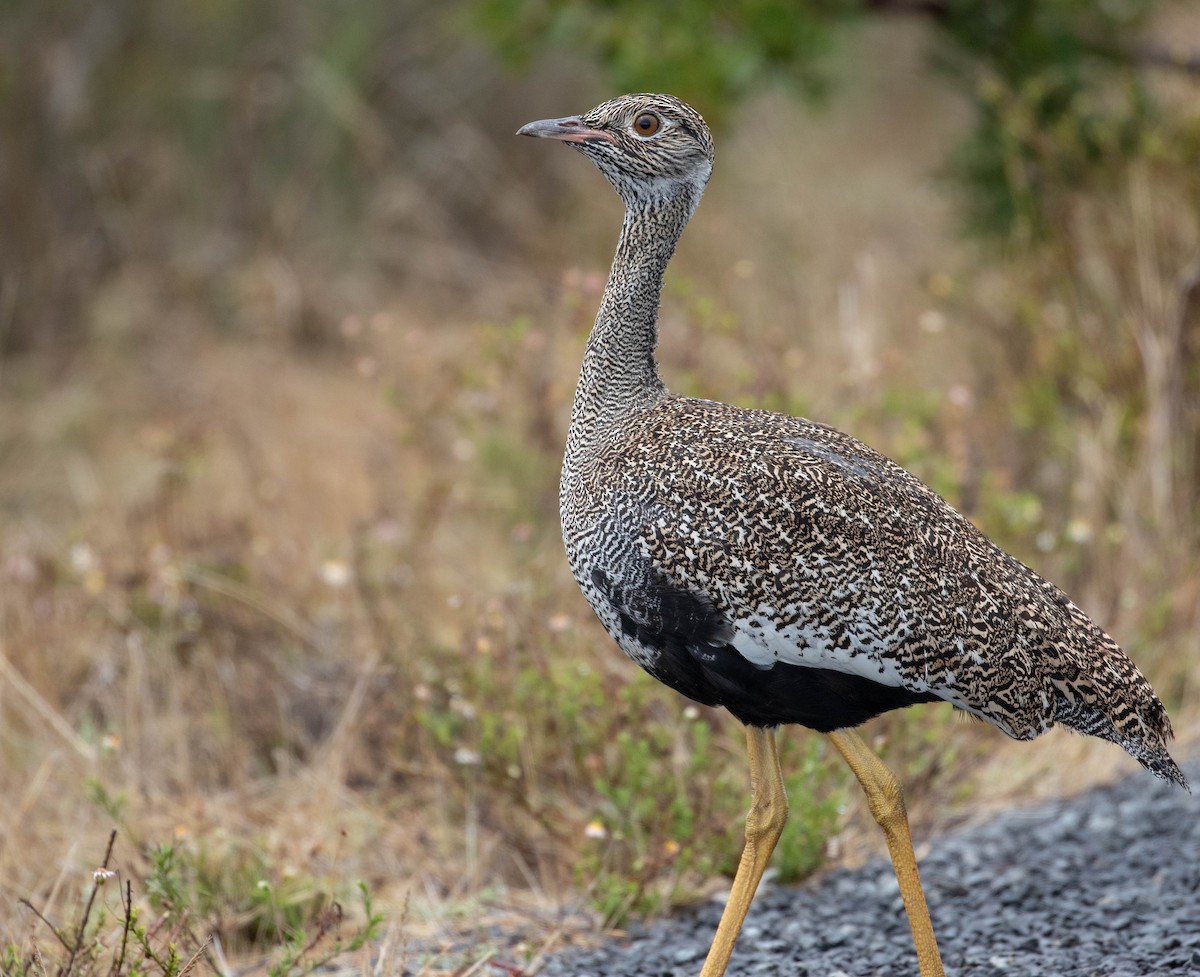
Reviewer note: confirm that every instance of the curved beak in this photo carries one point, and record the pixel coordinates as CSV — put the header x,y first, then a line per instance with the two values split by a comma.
x,y
570,129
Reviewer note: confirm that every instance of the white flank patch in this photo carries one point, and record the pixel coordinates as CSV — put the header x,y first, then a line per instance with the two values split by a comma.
x,y
811,645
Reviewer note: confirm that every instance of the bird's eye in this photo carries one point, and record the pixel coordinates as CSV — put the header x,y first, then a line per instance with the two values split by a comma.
x,y
646,124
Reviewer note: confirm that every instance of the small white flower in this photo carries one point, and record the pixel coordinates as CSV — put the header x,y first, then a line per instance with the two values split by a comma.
x,y
82,557
1078,531
102,875
463,707
466,758
336,573
596,830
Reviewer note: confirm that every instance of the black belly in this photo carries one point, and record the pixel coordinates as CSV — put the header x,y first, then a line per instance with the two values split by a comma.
x,y
685,640
819,698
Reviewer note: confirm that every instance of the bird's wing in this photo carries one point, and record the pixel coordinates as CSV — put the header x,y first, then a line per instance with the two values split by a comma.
x,y
678,633
680,627
655,611
820,552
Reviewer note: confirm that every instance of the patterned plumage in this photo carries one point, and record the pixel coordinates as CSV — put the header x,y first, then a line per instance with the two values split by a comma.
x,y
784,570
777,566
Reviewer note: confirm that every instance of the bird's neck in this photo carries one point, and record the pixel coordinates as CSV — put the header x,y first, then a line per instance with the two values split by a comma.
x,y
620,372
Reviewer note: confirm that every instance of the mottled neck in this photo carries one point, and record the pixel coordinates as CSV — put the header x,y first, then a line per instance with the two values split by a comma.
x,y
620,372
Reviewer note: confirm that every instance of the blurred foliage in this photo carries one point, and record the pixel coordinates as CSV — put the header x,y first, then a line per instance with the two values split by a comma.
x,y
1054,84
715,52
196,121
1059,98
214,138
211,139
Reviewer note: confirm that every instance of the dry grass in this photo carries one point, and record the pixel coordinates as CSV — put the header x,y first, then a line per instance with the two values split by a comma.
x,y
298,609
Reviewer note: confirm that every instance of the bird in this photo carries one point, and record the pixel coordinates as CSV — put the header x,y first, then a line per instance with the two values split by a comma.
x,y
781,569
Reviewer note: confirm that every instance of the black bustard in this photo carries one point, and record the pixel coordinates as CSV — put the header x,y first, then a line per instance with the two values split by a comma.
x,y
784,570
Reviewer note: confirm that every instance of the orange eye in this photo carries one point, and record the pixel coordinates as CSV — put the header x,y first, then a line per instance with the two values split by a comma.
x,y
646,124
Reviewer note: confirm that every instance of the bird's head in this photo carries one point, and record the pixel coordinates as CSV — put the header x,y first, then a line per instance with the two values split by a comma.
x,y
650,147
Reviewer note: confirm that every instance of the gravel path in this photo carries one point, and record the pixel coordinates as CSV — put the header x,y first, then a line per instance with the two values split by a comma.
x,y
1107,883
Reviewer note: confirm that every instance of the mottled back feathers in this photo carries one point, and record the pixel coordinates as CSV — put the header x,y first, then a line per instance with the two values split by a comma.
x,y
827,584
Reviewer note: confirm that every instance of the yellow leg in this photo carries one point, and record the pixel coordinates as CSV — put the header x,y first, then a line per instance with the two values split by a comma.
x,y
764,825
886,799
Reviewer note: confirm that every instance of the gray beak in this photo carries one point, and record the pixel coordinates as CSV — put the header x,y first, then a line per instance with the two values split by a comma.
x,y
570,129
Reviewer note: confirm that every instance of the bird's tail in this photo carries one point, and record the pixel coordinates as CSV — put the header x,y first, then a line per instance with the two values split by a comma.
x,y
1113,700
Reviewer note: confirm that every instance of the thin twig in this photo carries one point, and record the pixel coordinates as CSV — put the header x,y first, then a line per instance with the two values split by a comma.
x,y
38,959
327,922
194,958
547,945
44,709
268,608
478,964
65,969
53,929
127,905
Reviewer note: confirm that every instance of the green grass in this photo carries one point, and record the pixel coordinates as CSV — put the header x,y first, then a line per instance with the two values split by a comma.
x,y
180,913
